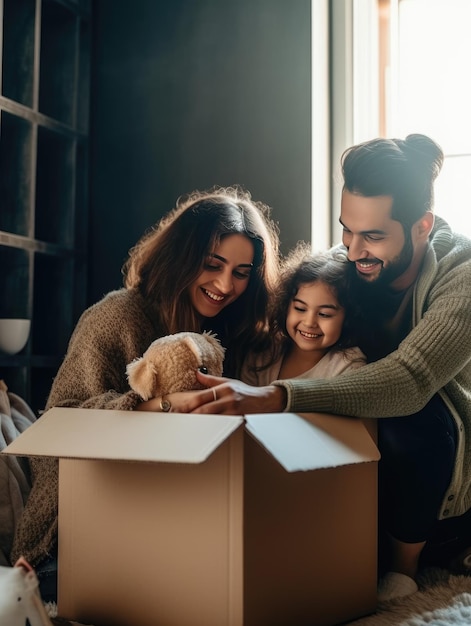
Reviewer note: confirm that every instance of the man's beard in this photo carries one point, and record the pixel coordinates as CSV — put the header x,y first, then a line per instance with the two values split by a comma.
x,y
387,275
375,297
374,303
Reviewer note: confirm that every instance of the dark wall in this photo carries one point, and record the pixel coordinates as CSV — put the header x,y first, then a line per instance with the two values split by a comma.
x,y
191,93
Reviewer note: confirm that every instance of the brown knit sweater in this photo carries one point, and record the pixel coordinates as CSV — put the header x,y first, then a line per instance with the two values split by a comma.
x,y
107,337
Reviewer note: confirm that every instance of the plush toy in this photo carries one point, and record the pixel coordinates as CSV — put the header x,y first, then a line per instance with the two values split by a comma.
x,y
169,364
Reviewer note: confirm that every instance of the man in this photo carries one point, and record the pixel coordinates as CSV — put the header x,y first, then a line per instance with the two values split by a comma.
x,y
413,275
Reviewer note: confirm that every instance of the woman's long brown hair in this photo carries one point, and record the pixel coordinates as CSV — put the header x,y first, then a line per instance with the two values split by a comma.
x,y
170,257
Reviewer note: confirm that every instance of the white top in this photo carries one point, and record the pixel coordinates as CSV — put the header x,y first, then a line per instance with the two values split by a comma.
x,y
332,364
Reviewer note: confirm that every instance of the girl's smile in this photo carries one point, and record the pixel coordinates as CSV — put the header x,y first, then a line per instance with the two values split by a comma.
x,y
315,319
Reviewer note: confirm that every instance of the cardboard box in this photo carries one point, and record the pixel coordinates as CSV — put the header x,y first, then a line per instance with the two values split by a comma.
x,y
194,520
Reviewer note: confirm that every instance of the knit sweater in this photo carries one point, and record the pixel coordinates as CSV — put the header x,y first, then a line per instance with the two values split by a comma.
x,y
435,357
108,336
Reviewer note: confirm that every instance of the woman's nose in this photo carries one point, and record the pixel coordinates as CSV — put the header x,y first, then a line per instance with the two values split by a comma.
x,y
224,282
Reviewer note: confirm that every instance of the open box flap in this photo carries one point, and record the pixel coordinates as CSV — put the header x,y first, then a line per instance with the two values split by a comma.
x,y
312,440
124,435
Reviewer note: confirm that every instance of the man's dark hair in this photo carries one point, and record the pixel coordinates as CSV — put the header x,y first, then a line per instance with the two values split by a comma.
x,y
402,168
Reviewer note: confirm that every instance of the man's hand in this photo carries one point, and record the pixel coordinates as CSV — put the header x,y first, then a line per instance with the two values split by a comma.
x,y
233,397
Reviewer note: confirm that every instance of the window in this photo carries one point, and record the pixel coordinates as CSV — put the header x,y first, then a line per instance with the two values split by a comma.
x,y
398,67
425,77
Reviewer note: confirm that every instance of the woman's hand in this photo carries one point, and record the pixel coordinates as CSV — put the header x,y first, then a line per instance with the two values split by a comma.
x,y
178,403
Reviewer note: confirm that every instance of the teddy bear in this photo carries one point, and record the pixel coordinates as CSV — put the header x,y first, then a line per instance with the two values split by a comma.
x,y
169,364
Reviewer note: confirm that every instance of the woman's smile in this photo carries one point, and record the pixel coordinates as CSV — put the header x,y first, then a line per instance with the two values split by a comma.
x,y
225,275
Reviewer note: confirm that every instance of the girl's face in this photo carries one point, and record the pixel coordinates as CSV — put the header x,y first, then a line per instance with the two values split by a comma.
x,y
225,276
315,318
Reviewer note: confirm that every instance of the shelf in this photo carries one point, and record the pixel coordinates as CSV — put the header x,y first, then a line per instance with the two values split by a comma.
x,y
52,304
16,178
18,50
42,120
59,62
34,360
44,117
83,89
26,243
15,282
55,188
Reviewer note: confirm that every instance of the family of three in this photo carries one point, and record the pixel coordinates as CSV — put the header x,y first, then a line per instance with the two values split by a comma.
x,y
377,327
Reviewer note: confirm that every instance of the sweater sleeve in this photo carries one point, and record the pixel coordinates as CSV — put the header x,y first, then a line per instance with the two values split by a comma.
x,y
93,373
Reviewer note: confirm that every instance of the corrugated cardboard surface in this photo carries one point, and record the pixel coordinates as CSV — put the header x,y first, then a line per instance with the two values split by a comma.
x,y
312,441
125,435
211,529
154,544
310,547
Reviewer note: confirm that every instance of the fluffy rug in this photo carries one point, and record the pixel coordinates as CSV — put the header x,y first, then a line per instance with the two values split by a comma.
x,y
442,600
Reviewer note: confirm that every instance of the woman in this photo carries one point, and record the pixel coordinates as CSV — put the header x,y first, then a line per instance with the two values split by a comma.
x,y
210,264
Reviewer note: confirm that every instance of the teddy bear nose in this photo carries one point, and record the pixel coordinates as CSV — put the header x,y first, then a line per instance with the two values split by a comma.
x,y
203,369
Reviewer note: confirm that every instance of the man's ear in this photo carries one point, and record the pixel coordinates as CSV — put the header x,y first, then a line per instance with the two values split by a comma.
x,y
424,225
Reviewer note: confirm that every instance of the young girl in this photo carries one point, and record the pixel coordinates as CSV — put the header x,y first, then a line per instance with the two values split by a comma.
x,y
311,321
210,264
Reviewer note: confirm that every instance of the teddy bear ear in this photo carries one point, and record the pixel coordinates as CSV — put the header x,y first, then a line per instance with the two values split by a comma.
x,y
214,356
192,345
142,377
